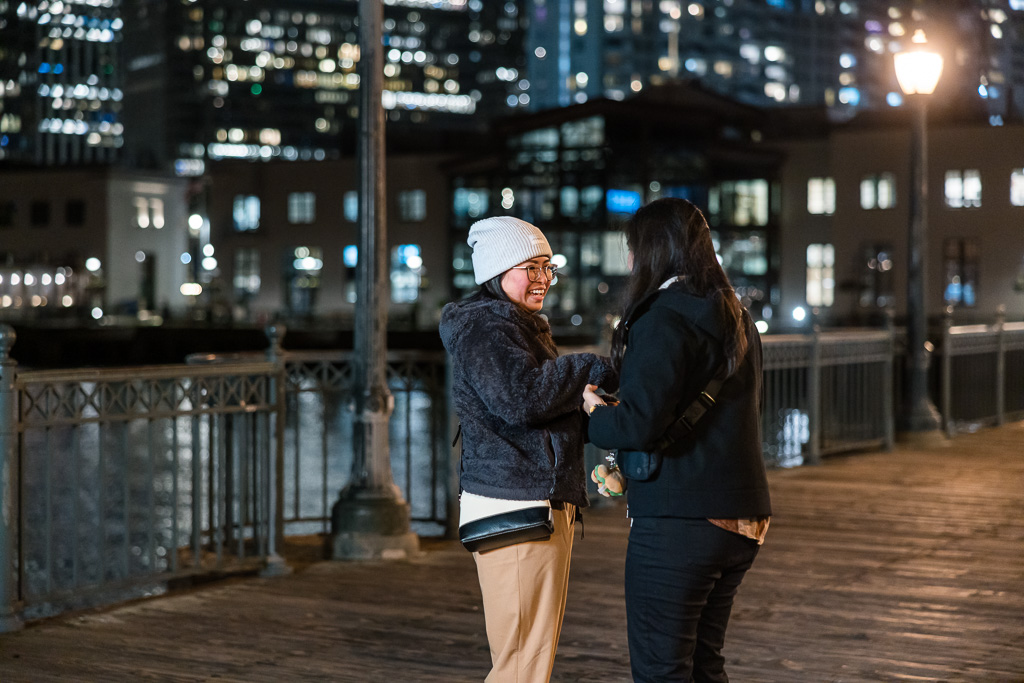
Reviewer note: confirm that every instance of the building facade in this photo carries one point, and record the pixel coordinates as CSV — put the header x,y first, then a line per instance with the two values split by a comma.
x,y
92,242
833,53
579,172
238,79
284,239
845,212
61,96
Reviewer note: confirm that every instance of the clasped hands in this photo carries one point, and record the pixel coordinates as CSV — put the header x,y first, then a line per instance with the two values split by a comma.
x,y
609,480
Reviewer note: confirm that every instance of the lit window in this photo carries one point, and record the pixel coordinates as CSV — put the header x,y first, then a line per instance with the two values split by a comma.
x,y
470,202
350,206
350,259
412,205
156,210
961,265
1017,187
303,279
149,212
963,189
741,202
246,213
821,282
876,290
821,196
247,272
301,207
570,201
406,272
878,191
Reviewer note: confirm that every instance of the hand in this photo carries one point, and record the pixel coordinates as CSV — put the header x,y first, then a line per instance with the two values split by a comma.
x,y
591,399
610,482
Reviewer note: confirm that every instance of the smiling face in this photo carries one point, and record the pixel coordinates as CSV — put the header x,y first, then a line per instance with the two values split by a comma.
x,y
517,286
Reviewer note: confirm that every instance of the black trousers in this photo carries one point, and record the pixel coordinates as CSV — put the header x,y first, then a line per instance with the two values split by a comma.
x,y
681,578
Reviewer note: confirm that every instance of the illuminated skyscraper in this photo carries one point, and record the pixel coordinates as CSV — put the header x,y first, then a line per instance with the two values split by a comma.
x,y
60,87
836,53
252,79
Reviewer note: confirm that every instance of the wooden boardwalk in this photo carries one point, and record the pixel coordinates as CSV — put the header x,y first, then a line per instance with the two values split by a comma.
x,y
902,566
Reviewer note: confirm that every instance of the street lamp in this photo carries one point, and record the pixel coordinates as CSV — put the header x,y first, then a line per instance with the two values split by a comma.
x,y
917,71
370,520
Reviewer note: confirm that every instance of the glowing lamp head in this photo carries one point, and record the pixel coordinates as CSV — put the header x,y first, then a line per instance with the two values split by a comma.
x,y
918,70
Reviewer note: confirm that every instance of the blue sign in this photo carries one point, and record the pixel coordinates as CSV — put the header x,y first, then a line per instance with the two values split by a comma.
x,y
622,201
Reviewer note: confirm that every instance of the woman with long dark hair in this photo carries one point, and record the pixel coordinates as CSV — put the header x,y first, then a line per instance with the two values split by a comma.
x,y
700,510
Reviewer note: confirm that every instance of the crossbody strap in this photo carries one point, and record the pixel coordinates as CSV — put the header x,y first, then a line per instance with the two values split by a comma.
x,y
685,423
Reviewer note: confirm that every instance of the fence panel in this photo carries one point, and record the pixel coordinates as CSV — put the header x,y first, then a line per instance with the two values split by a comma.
x,y
319,438
785,415
1013,381
129,478
983,372
856,391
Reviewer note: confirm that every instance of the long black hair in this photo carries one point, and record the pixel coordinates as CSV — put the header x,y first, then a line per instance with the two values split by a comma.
x,y
670,237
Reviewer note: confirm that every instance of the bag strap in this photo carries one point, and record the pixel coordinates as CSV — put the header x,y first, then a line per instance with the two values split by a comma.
x,y
686,422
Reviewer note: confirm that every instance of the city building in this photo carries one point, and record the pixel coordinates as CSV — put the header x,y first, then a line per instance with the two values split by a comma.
x,y
835,53
845,215
235,79
809,217
284,239
578,172
91,242
60,82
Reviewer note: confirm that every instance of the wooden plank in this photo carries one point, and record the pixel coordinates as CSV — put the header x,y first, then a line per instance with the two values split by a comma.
x,y
902,566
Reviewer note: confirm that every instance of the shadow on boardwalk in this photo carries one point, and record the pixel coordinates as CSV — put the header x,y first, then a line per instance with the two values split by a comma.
x,y
878,567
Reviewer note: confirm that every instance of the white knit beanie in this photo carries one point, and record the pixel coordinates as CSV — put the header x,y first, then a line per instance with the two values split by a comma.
x,y
502,242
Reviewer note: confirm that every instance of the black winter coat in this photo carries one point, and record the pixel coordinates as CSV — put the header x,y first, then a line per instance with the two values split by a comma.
x,y
672,352
523,424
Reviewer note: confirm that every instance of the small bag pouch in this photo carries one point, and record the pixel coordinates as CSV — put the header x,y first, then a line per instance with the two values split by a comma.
x,y
638,465
490,523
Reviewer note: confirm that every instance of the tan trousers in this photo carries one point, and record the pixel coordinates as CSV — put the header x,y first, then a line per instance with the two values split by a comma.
x,y
524,588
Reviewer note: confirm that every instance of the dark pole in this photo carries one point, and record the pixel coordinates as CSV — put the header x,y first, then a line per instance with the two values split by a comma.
x,y
919,414
370,519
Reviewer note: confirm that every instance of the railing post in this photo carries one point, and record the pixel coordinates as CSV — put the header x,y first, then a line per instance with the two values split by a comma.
x,y
947,372
275,564
9,619
814,399
888,399
1001,365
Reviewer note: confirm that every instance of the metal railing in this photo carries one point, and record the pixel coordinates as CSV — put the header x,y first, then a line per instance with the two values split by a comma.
x,y
825,393
316,442
115,481
318,446
120,480
982,374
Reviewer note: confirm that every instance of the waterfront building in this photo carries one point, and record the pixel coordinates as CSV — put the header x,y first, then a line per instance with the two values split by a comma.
x,y
90,242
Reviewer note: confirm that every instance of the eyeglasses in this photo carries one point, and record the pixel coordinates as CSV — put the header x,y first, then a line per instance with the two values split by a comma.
x,y
533,272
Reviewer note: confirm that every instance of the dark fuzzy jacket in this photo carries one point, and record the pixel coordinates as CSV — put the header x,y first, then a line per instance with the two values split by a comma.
x,y
672,352
520,404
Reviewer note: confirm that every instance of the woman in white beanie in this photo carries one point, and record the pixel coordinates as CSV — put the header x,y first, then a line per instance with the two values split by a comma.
x,y
523,429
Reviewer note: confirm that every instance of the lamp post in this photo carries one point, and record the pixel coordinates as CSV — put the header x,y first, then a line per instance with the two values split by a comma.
x,y
918,73
370,520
